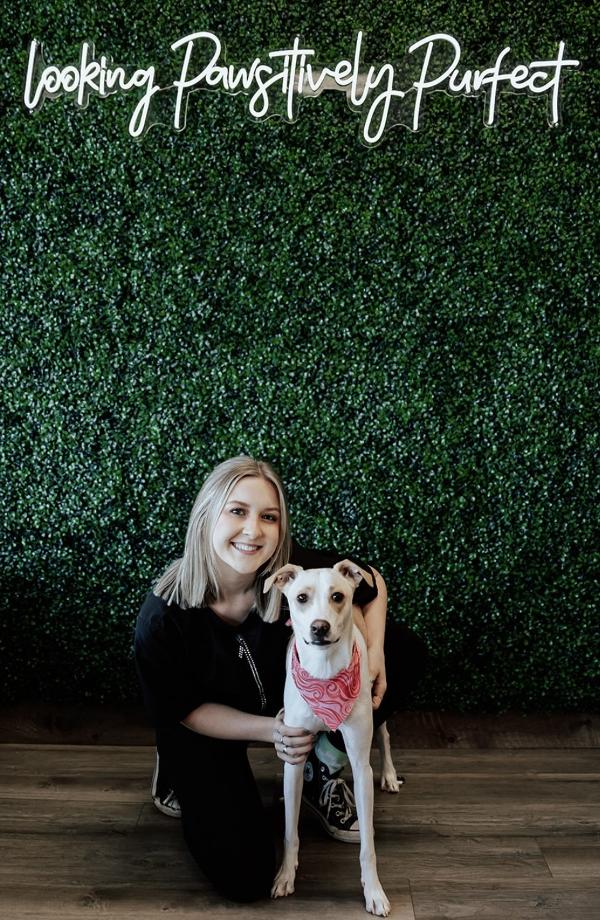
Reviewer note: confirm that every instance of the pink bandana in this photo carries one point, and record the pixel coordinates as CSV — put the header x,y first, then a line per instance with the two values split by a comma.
x,y
331,698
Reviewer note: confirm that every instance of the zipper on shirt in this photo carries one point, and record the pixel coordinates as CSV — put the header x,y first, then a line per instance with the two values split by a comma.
x,y
244,650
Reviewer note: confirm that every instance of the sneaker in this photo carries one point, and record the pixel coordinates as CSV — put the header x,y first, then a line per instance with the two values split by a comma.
x,y
331,800
164,798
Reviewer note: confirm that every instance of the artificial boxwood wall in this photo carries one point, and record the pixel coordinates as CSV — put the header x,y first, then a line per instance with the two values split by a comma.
x,y
406,332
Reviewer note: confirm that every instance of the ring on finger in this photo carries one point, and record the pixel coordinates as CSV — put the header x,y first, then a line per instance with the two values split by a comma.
x,y
285,750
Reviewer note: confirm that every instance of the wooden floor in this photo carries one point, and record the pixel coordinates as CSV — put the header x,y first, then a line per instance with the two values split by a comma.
x,y
475,835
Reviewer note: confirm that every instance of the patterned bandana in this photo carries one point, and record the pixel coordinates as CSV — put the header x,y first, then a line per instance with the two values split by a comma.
x,y
330,698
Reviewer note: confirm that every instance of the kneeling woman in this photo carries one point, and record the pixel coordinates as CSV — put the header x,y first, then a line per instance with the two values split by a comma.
x,y
210,655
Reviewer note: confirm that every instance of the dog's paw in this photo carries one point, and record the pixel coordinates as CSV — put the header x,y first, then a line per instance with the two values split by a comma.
x,y
283,884
390,782
376,902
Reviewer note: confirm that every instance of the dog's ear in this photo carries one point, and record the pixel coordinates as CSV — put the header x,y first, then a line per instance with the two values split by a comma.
x,y
281,577
352,572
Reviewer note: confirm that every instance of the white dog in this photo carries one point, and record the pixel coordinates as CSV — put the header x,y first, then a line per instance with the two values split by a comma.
x,y
327,686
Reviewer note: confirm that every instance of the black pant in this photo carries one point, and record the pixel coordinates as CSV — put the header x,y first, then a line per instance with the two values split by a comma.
x,y
225,825
224,821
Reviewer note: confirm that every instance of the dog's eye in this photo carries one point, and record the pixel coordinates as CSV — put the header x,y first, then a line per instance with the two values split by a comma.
x,y
337,597
302,598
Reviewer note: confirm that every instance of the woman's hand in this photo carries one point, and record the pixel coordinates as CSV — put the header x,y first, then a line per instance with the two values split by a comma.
x,y
377,674
292,745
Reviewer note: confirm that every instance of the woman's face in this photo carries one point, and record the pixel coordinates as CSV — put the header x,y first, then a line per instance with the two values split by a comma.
x,y
246,534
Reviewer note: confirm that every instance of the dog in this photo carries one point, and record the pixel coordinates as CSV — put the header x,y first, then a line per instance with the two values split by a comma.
x,y
326,644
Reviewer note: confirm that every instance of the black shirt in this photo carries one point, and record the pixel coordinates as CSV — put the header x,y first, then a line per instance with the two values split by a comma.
x,y
186,657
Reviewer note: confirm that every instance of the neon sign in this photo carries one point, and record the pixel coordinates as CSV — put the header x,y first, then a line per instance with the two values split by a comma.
x,y
383,95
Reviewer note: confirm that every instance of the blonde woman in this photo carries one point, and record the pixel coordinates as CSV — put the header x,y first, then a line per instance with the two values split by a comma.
x,y
210,655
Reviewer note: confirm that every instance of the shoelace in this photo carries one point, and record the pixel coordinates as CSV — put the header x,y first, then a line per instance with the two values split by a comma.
x,y
336,794
171,799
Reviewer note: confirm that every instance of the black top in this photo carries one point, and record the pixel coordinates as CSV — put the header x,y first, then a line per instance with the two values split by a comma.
x,y
188,657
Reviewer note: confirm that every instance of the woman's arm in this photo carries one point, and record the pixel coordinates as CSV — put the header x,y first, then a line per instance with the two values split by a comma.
x,y
374,614
218,721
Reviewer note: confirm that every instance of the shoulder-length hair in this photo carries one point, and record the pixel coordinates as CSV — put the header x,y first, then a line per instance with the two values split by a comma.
x,y
192,581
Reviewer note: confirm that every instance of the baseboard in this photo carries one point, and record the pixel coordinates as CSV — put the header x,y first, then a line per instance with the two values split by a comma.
x,y
43,723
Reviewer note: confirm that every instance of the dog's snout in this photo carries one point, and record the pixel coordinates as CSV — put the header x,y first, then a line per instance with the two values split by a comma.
x,y
319,628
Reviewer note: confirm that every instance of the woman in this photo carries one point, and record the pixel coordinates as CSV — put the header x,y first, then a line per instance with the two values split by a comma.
x,y
210,654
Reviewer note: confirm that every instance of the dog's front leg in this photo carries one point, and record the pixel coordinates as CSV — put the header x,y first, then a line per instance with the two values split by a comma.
x,y
293,779
376,901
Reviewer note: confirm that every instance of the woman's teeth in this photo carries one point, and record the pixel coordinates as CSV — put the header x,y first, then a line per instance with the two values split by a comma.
x,y
246,547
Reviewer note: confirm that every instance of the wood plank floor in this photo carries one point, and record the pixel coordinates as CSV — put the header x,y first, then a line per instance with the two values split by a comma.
x,y
473,835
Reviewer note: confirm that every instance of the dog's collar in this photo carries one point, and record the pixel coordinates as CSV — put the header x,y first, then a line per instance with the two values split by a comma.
x,y
330,698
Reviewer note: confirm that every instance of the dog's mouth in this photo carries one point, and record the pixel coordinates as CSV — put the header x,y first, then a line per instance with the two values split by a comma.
x,y
322,641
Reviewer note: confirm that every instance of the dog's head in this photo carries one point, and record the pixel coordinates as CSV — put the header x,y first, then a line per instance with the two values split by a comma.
x,y
320,600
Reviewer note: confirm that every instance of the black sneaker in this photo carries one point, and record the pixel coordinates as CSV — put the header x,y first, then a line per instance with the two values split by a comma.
x,y
331,800
164,798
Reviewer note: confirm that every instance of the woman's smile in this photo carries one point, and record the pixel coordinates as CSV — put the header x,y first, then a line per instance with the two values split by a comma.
x,y
246,548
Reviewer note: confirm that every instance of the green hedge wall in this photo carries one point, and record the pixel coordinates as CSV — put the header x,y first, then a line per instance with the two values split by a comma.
x,y
407,332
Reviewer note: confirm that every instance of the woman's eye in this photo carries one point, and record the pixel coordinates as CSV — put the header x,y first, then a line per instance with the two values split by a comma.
x,y
237,510
271,518
337,597
302,598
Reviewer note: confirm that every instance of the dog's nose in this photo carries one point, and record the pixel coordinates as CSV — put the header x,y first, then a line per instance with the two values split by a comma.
x,y
319,629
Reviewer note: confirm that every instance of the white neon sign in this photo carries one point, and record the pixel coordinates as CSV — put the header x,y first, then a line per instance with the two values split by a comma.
x,y
383,95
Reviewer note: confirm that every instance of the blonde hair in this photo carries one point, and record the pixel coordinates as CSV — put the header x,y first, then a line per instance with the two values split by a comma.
x,y
192,580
